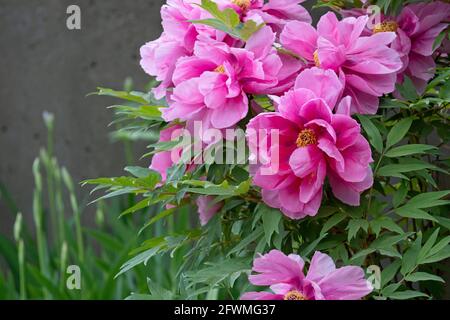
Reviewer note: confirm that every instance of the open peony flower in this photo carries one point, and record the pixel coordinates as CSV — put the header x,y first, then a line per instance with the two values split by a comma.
x,y
274,13
207,208
366,64
417,28
284,274
212,85
159,57
313,143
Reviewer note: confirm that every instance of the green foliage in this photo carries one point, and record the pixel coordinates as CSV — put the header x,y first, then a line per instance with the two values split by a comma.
x,y
401,224
228,21
36,261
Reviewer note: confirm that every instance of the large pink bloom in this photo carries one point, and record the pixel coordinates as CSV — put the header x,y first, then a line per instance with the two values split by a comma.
x,y
284,274
313,143
366,64
159,57
212,85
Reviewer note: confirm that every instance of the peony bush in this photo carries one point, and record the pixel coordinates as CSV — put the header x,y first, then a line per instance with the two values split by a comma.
x,y
285,143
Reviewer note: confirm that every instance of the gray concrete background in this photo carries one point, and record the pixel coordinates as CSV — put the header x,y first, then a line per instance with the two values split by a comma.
x,y
44,66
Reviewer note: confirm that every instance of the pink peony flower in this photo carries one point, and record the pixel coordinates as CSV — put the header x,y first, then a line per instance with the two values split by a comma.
x,y
366,64
207,208
313,143
274,13
159,57
417,27
284,274
212,85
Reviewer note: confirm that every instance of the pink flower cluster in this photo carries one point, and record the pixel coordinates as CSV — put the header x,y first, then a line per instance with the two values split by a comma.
x,y
284,274
317,76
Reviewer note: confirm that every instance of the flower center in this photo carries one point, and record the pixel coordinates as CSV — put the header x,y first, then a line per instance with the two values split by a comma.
x,y
305,138
386,26
220,69
243,4
294,295
316,58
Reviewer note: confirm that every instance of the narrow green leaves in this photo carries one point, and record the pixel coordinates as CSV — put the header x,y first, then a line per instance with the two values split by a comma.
x,y
372,132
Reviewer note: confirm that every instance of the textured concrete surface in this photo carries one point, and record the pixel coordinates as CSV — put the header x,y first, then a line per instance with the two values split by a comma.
x,y
44,66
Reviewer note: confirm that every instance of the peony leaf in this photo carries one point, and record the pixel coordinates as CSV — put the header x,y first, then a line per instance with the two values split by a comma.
x,y
398,132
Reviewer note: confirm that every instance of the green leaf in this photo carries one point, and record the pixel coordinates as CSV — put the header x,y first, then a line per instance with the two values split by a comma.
x,y
145,112
386,240
407,294
445,222
224,189
217,272
392,170
414,213
428,245
247,29
129,96
423,276
408,89
409,259
355,225
271,219
385,223
389,272
428,200
143,257
139,172
228,21
305,252
333,221
441,255
400,195
444,93
252,237
372,132
158,292
440,245
408,150
362,254
159,216
398,132
390,289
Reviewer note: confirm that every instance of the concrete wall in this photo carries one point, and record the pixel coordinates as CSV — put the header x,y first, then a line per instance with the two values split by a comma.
x,y
44,66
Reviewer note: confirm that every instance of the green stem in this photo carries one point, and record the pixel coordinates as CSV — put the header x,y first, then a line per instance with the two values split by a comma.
x,y
22,278
375,171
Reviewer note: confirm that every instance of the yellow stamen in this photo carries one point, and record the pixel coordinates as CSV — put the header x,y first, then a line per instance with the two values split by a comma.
x,y
386,26
220,69
294,295
243,4
305,138
316,58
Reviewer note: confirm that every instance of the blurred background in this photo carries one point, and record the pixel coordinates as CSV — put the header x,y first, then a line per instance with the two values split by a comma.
x,y
45,66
